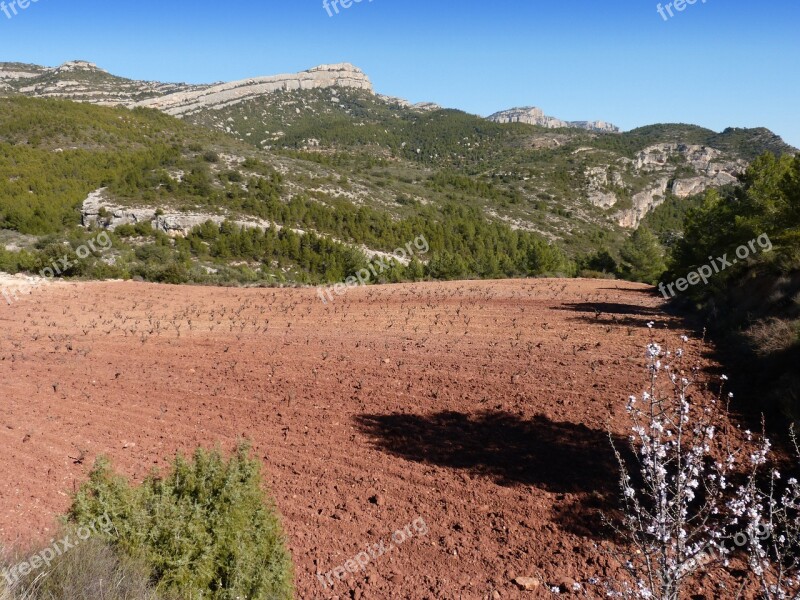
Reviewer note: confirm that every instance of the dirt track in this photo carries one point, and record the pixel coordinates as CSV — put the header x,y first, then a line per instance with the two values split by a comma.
x,y
480,407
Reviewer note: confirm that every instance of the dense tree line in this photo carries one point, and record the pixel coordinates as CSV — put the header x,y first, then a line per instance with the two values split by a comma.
x,y
767,202
752,304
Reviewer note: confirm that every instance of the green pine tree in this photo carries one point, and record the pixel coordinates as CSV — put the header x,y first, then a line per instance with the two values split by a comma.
x,y
643,257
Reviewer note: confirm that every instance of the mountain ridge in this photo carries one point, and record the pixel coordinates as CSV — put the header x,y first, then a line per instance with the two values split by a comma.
x,y
85,81
533,115
179,99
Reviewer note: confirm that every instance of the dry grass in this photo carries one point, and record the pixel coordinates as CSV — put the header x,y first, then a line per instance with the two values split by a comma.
x,y
90,571
773,336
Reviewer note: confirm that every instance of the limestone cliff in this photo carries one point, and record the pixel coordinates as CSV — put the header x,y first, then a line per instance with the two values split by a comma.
x,y
681,170
217,96
535,116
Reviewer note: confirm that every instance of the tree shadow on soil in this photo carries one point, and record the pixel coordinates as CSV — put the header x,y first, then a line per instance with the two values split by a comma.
x,y
559,457
612,308
650,291
614,314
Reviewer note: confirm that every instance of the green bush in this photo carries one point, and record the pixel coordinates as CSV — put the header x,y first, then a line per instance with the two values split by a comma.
x,y
600,262
13,262
125,230
171,272
145,228
205,529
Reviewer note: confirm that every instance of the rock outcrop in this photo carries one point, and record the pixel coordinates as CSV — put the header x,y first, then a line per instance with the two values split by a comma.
x,y
7,74
603,126
597,189
97,209
217,96
535,116
643,202
78,65
680,170
420,106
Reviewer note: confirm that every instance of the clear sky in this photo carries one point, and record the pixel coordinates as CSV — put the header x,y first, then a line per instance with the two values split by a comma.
x,y
717,63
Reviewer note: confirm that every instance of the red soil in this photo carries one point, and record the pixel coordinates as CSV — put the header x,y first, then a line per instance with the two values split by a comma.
x,y
480,407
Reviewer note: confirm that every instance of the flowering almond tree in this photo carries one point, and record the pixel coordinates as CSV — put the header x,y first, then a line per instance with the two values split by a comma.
x,y
770,520
675,486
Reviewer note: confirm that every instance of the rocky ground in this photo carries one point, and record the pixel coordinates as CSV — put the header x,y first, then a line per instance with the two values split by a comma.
x,y
476,412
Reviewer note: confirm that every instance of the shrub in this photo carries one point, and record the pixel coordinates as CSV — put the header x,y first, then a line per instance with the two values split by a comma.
x,y
601,261
404,200
205,529
173,273
13,262
125,230
232,176
54,255
144,228
684,517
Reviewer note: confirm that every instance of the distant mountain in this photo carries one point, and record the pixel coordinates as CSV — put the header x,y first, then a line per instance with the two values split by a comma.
x,y
82,81
579,184
535,116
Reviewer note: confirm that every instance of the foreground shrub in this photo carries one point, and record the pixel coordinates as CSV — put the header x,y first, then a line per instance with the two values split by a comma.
x,y
205,529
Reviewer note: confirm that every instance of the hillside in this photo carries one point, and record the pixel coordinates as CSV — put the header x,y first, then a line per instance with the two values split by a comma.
x,y
321,157
334,107
155,181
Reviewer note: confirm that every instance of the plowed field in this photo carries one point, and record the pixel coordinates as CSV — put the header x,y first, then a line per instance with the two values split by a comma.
x,y
480,409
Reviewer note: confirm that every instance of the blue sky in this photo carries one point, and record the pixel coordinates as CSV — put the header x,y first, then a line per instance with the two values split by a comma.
x,y
717,64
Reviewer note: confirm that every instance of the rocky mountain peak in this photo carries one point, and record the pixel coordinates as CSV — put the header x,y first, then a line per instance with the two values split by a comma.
x,y
533,115
338,67
78,65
